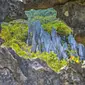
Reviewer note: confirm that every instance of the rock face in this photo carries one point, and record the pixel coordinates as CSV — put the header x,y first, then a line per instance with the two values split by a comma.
x,y
44,42
18,71
71,11
42,4
15,70
73,14
72,75
11,9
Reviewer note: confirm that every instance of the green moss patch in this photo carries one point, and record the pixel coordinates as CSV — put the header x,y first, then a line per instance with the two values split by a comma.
x,y
15,33
60,27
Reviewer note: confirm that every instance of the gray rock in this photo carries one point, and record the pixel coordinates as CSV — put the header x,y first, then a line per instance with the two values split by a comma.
x,y
15,70
13,9
18,71
72,75
73,14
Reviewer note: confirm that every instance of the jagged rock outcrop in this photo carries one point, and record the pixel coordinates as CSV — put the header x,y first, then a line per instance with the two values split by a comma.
x,y
43,41
18,71
72,75
15,70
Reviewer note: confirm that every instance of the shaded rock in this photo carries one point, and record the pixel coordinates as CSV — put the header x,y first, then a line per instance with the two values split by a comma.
x,y
10,73
11,9
1,41
80,38
73,14
15,70
42,4
72,75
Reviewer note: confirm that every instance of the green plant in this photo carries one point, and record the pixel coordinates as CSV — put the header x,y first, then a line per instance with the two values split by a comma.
x,y
60,27
14,34
51,59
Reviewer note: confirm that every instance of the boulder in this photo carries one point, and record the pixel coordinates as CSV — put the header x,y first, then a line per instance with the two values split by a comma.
x,y
15,70
72,75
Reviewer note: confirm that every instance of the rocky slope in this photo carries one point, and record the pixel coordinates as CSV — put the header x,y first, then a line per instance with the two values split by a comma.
x,y
18,71
11,9
71,11
15,70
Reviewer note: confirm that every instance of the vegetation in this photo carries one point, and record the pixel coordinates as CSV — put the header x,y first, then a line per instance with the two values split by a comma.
x,y
44,16
15,33
60,27
48,20
51,59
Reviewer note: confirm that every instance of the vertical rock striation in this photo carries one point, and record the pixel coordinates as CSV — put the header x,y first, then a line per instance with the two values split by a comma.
x,y
45,42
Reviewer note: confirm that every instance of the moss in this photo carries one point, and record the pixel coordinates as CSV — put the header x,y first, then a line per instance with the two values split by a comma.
x,y
60,27
14,34
12,31
51,59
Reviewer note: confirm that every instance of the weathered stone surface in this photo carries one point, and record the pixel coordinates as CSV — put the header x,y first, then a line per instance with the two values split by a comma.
x,y
10,73
71,11
18,71
72,75
15,70
11,9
